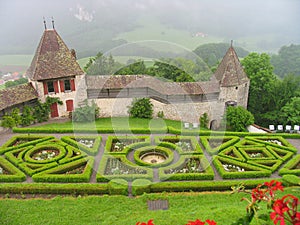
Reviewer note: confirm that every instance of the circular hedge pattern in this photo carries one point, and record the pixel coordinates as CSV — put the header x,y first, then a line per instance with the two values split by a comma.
x,y
163,151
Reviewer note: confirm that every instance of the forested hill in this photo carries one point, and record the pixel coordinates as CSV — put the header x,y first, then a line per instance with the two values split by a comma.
x,y
287,61
214,52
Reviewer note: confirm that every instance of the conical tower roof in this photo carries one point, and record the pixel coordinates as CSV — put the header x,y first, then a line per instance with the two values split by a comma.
x,y
230,71
53,59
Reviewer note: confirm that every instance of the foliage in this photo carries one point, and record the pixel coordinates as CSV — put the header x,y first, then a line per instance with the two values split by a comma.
x,y
8,121
291,111
42,111
204,120
102,65
212,53
133,68
284,209
15,114
262,85
16,82
27,116
160,114
287,61
238,118
180,70
141,108
86,113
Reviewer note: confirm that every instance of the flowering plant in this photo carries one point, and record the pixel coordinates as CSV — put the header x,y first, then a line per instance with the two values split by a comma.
x,y
284,209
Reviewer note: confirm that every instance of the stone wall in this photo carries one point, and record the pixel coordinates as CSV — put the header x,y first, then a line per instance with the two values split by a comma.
x,y
188,112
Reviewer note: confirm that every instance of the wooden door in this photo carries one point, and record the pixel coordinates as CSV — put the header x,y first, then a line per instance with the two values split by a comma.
x,y
54,110
70,105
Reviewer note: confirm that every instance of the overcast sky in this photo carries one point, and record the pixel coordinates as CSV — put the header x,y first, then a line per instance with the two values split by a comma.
x,y
21,21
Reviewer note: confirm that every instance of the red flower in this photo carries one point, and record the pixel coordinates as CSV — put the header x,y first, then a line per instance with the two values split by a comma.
x,y
196,222
199,222
143,223
211,222
286,209
273,186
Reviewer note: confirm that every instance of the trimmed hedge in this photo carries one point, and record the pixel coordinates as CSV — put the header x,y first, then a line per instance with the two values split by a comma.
x,y
140,186
264,140
229,141
280,154
118,187
102,177
14,174
232,153
141,141
71,140
251,171
289,168
30,140
133,130
148,149
44,188
196,149
207,174
291,180
199,186
57,174
251,150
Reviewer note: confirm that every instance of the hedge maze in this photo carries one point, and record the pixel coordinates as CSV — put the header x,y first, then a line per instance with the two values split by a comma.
x,y
146,161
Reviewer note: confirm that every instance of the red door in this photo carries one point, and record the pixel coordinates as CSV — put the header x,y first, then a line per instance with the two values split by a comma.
x,y
54,110
70,106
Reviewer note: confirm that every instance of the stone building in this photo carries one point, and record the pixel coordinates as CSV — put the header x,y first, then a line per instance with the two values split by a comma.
x,y
54,72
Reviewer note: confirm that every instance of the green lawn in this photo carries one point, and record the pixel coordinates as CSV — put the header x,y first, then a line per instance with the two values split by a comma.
x,y
116,210
117,123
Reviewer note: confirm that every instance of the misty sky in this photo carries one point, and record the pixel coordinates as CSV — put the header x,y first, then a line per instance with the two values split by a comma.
x,y
21,21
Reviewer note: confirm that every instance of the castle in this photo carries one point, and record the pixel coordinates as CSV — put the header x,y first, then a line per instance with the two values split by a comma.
x,y
55,72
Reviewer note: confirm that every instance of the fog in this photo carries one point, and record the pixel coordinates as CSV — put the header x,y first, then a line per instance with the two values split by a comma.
x,y
94,25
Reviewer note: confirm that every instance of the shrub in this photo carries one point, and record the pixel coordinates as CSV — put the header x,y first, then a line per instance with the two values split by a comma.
x,y
140,186
204,120
86,113
141,108
238,118
27,117
160,114
15,114
8,122
291,180
92,150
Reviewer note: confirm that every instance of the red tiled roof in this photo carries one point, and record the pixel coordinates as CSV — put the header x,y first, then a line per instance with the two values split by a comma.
x,y
230,71
143,81
16,95
52,59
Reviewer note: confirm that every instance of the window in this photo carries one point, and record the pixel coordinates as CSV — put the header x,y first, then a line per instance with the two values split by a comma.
x,y
67,85
50,86
70,105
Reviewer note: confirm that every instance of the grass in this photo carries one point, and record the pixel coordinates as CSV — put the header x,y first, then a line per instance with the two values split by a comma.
x,y
117,122
183,207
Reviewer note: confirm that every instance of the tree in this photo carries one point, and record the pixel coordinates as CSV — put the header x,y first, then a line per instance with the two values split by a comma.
x,y
86,113
134,67
238,118
291,111
287,61
101,65
141,108
262,85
